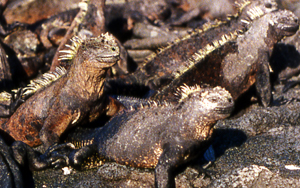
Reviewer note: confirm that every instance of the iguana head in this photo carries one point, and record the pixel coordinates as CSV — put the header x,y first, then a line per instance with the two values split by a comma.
x,y
284,23
252,10
272,27
101,52
212,103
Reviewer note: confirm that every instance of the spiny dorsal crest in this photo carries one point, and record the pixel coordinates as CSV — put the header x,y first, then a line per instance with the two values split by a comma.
x,y
184,91
254,13
204,28
209,25
70,53
148,104
45,80
240,5
205,51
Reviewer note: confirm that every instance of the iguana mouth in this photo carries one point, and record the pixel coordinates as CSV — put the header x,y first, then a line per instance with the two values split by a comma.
x,y
224,110
290,29
108,57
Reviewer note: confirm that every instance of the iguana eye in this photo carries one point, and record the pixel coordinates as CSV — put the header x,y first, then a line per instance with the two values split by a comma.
x,y
214,100
113,49
268,5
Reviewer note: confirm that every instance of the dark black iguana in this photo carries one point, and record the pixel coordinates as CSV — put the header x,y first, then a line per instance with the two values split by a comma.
x,y
159,135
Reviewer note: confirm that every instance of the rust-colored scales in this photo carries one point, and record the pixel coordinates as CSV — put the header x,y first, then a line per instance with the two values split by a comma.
x,y
74,97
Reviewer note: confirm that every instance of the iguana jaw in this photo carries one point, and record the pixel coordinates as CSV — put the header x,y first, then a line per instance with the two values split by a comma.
x,y
288,29
109,58
227,110
106,61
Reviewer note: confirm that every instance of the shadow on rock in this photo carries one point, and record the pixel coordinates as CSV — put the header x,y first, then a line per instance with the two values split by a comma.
x,y
224,139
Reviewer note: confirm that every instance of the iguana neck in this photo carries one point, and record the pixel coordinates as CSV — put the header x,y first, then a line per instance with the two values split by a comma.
x,y
87,82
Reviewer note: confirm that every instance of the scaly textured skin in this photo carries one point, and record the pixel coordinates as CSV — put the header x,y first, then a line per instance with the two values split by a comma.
x,y
241,63
160,135
75,97
10,101
185,53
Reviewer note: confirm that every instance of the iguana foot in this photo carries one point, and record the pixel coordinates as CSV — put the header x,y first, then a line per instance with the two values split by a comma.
x,y
51,158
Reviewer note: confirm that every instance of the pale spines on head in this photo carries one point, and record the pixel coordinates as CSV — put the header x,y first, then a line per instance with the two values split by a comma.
x,y
107,42
70,53
184,91
45,80
255,12
258,11
108,38
77,42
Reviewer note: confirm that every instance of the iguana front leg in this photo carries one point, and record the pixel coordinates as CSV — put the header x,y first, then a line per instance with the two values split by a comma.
x,y
168,161
55,155
56,124
263,83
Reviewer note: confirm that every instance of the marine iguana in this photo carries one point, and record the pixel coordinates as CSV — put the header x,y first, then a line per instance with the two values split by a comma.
x,y
159,135
181,55
75,97
241,62
9,101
